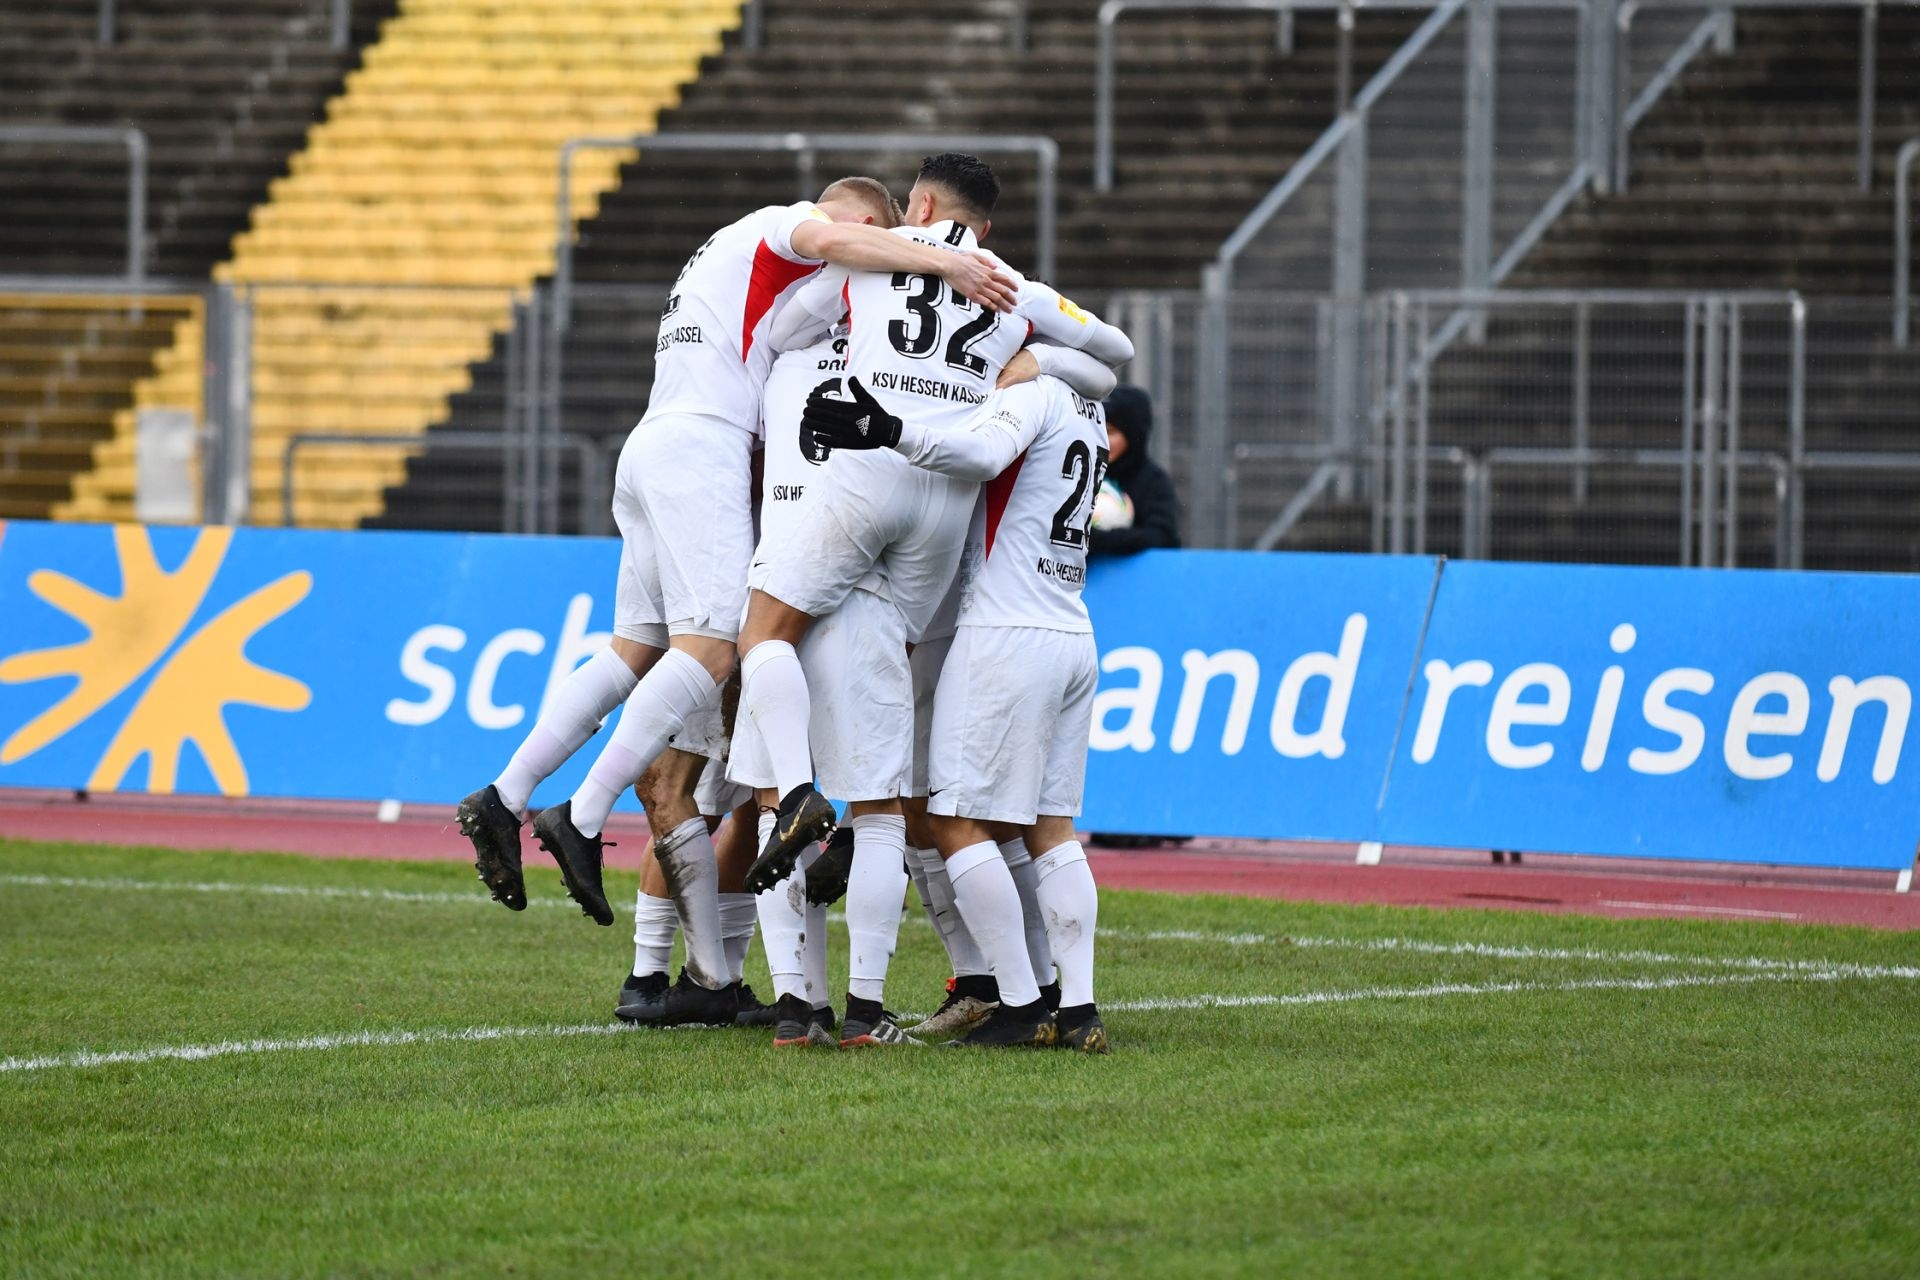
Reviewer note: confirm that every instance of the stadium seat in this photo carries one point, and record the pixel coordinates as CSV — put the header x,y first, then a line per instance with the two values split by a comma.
x,y
387,257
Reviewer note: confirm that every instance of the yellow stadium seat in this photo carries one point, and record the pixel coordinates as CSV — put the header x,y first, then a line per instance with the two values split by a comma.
x,y
433,174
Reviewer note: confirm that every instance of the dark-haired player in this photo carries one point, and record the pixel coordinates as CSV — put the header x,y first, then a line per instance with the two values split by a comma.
x,y
683,502
931,357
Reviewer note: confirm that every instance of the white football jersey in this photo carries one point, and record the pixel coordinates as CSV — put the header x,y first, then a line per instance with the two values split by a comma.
x,y
927,354
712,355
1026,557
786,472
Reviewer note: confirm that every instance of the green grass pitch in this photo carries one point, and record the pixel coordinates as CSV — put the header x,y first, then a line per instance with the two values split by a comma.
x,y
1296,1090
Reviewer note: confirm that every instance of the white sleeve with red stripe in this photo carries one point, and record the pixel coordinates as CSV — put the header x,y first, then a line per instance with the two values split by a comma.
x,y
780,239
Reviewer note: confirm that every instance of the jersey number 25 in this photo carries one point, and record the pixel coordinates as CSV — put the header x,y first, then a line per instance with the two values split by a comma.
x,y
1085,468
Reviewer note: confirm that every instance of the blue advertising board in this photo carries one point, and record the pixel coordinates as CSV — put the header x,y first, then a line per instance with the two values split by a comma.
x,y
1733,716
1248,693
1743,716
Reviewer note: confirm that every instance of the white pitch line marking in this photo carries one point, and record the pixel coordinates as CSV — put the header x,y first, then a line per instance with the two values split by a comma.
x,y
1484,950
380,1039
272,890
1713,911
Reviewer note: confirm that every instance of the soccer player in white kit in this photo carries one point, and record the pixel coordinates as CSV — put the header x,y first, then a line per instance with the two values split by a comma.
x,y
683,502
862,727
933,357
1014,704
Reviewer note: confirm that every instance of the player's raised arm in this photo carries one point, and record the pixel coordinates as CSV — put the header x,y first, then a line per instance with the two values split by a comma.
x,y
1055,318
1077,369
980,450
976,277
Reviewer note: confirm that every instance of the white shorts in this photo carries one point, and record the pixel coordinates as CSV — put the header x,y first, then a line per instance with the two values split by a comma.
x,y
875,511
705,734
861,729
683,498
928,658
716,795
1011,721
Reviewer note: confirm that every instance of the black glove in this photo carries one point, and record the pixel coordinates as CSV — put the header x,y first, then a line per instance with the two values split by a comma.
x,y
860,423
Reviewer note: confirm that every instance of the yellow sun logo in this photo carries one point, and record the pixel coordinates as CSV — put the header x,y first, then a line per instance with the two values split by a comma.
x,y
128,633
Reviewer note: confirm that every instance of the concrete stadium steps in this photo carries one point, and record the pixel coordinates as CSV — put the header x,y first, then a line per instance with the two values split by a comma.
x,y
388,255
1208,116
67,364
1742,178
224,91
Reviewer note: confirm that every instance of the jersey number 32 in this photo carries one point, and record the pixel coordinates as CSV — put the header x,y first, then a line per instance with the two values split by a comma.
x,y
918,336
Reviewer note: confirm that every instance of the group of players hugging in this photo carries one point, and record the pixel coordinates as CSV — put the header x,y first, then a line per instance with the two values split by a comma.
x,y
906,623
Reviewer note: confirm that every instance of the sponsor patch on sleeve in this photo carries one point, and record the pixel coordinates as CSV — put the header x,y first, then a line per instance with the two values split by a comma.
x,y
1067,305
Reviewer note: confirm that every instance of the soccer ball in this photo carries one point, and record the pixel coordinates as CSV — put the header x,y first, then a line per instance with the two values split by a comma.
x,y
1112,508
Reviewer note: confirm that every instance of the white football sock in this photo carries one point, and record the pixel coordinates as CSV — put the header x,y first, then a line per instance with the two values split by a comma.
x,y
655,922
983,889
875,888
686,860
570,717
1020,863
784,929
962,953
659,705
1071,906
773,690
737,912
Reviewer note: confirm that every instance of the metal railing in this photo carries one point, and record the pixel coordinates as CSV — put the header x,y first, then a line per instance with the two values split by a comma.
x,y
1903,240
1103,74
805,149
592,461
135,142
753,25
1717,28
339,24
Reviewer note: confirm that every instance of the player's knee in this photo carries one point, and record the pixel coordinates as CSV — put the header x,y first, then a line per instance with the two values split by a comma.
x,y
952,834
711,652
638,657
1048,832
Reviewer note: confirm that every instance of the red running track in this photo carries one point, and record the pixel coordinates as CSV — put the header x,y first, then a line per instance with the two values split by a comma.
x,y
1295,871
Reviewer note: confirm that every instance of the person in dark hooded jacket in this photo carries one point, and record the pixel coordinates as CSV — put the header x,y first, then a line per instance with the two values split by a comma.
x,y
1156,511
1156,521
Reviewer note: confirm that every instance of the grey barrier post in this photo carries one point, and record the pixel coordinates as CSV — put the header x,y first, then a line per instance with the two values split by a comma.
x,y
1476,223
1582,392
1903,240
1731,506
1213,375
1869,48
226,399
342,33
1797,439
